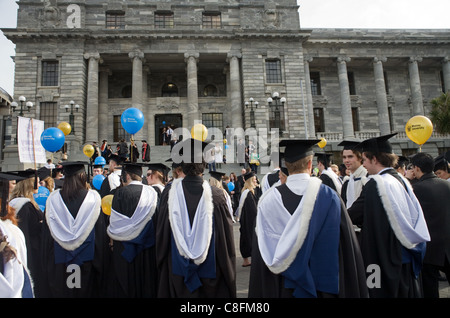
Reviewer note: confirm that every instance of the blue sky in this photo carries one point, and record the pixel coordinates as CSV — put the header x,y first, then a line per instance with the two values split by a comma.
x,y
386,14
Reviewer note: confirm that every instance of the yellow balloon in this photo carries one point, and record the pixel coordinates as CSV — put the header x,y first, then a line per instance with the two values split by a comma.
x,y
199,132
322,143
107,203
224,141
88,150
65,127
419,129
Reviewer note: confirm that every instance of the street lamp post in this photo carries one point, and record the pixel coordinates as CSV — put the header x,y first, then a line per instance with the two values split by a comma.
x,y
252,112
277,101
71,116
22,101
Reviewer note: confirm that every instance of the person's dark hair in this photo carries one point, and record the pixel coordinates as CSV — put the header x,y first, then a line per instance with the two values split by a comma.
x,y
384,158
342,169
7,252
424,161
73,185
193,169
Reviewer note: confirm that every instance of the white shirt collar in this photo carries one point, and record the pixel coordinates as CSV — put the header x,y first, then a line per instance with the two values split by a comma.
x,y
296,182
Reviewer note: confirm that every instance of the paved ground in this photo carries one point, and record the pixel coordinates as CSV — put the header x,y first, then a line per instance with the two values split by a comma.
x,y
243,273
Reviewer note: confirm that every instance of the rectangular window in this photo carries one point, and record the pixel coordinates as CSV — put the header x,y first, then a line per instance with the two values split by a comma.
x,y
211,20
355,117
50,73
164,20
276,117
351,83
315,83
319,121
7,131
115,20
119,132
391,121
48,114
386,83
273,71
213,120
441,77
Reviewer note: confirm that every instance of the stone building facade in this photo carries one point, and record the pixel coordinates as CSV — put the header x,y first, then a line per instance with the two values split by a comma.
x,y
183,62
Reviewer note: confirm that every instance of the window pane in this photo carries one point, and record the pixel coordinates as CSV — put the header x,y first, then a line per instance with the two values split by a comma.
x,y
115,20
50,73
213,120
276,118
355,117
212,21
164,20
315,83
119,132
273,71
48,114
319,120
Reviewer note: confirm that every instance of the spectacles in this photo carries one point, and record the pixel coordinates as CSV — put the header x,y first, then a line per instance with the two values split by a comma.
x,y
149,174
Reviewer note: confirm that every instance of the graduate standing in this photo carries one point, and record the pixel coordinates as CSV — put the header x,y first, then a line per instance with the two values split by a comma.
x,y
352,159
247,215
132,229
393,228
327,175
304,245
195,247
74,239
112,181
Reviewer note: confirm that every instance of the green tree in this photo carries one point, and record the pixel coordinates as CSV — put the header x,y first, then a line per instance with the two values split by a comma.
x,y
440,113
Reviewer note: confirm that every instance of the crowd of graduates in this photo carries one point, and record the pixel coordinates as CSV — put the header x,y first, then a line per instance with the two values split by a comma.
x,y
302,235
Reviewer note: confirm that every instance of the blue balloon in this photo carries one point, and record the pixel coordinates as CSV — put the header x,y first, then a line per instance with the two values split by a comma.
x,y
52,139
132,120
100,161
97,181
230,186
41,197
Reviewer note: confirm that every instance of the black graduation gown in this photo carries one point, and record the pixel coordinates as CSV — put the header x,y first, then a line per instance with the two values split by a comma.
x,y
326,180
173,286
138,278
247,219
380,246
92,273
352,280
30,222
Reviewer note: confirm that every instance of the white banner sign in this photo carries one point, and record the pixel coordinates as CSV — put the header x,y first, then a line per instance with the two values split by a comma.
x,y
29,140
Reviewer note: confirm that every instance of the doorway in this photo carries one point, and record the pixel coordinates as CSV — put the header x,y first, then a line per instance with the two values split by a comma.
x,y
162,122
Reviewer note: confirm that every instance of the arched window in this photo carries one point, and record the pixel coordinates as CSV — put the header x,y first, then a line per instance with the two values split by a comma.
x,y
210,90
169,90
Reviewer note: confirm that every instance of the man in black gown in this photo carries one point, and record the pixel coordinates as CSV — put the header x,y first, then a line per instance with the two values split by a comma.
x,y
327,175
393,229
132,230
190,207
304,245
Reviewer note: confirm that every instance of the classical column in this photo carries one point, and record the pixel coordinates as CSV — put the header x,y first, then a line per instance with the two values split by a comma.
x,y
446,72
136,91
192,85
235,90
103,120
346,104
414,82
92,97
309,99
381,96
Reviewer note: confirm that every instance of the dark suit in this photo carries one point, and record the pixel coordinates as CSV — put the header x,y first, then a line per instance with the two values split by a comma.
x,y
434,197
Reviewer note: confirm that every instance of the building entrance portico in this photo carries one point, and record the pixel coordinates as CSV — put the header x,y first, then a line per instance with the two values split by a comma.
x,y
162,122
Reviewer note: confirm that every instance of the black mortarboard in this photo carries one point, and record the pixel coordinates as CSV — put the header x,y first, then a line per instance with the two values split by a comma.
x,y
97,166
447,155
118,160
217,175
158,167
196,148
44,173
9,177
135,168
440,163
71,168
25,174
324,157
297,149
4,190
349,144
377,144
248,175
